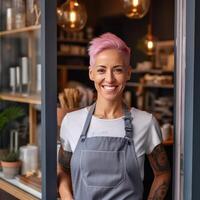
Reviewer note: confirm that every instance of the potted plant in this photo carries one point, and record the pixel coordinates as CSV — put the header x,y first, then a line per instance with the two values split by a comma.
x,y
7,117
10,164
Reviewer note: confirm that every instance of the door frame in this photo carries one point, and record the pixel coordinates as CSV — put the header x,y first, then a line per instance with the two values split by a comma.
x,y
187,111
49,99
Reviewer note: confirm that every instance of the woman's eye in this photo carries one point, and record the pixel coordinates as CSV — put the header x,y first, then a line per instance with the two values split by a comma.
x,y
100,70
118,70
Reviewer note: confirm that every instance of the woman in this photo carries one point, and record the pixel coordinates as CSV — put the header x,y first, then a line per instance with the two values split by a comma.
x,y
103,146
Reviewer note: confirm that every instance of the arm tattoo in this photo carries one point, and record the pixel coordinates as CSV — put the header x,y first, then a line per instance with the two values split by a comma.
x,y
160,165
64,158
159,160
160,192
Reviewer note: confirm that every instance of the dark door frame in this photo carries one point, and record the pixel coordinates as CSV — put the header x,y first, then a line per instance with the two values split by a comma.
x,y
49,101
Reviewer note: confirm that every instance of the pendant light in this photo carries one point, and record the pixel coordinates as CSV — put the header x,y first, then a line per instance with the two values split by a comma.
x,y
72,16
150,40
136,9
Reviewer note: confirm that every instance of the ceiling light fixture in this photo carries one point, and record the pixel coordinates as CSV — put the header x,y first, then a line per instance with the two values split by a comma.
x,y
72,16
136,9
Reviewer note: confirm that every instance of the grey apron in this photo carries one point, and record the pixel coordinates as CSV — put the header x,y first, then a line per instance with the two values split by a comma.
x,y
106,168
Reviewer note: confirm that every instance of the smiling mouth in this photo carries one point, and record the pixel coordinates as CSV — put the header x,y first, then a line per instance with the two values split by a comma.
x,y
108,88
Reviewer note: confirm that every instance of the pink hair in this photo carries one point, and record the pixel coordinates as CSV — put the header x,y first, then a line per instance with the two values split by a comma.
x,y
108,41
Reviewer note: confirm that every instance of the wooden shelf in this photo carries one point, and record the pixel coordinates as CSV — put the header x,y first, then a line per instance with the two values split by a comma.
x,y
151,71
73,67
17,97
15,191
20,30
132,84
75,41
71,55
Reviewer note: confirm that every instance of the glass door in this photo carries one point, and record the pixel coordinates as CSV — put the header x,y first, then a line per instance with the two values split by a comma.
x,y
28,98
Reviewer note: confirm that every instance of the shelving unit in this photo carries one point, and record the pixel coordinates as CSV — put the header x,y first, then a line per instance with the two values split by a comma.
x,y
18,97
75,41
32,100
20,30
71,57
73,67
18,190
151,71
134,84
13,186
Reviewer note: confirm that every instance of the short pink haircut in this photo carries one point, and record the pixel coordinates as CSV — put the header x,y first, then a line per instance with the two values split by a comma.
x,y
108,41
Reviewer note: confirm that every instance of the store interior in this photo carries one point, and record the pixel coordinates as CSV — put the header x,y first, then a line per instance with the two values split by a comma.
x,y
151,87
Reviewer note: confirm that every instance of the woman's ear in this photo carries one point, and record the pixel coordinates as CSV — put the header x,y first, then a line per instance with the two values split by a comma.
x,y
129,73
91,73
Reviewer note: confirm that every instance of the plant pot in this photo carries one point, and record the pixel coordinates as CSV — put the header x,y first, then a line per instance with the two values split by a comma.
x,y
3,152
10,169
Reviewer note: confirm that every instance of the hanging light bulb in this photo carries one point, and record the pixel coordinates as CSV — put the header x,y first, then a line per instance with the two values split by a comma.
x,y
149,42
72,15
136,9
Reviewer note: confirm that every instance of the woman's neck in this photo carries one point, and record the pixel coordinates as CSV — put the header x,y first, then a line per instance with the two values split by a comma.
x,y
109,109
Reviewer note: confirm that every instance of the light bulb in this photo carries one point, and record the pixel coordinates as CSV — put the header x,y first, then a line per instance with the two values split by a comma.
x,y
74,16
150,44
136,9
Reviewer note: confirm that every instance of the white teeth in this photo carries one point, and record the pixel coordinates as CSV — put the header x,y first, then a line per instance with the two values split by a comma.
x,y
109,88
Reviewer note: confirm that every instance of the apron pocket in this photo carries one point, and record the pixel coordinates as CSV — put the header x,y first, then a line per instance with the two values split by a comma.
x,y
102,168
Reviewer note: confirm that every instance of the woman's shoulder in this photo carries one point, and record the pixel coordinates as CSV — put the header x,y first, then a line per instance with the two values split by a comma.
x,y
75,115
141,115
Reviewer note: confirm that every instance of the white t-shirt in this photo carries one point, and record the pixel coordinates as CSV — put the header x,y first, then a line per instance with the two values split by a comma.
x,y
146,136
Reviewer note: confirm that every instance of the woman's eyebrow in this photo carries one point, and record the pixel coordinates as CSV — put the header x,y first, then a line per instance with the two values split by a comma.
x,y
102,66
118,66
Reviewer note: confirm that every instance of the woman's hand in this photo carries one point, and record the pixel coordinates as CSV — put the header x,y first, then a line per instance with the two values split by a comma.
x,y
162,173
64,192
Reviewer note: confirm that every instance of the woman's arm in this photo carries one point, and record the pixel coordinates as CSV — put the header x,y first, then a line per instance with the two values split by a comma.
x,y
64,176
162,173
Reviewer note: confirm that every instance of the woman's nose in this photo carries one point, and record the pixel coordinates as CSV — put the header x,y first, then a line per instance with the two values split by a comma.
x,y
109,77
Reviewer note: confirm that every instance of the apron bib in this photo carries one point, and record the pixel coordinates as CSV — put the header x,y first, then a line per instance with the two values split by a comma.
x,y
106,168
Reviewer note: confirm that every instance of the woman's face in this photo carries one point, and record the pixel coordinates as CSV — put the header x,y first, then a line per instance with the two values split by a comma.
x,y
110,73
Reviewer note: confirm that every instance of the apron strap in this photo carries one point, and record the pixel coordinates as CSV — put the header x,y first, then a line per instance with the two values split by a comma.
x,y
128,123
87,122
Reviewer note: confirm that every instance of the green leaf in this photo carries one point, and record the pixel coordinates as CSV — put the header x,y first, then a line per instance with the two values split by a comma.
x,y
10,114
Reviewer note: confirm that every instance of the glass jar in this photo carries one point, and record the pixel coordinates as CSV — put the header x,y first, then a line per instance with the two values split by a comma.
x,y
19,13
30,12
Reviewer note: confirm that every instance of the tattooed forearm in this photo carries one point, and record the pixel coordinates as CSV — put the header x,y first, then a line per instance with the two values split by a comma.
x,y
160,192
158,159
161,168
64,158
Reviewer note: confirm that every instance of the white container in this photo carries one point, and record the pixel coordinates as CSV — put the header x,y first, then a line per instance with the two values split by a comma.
x,y
12,77
9,21
25,70
39,76
29,158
